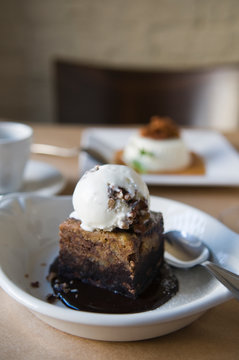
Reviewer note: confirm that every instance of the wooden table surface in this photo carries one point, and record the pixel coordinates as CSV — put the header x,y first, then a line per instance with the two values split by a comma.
x,y
213,336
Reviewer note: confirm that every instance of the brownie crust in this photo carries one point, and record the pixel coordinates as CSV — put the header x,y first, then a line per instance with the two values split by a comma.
x,y
122,261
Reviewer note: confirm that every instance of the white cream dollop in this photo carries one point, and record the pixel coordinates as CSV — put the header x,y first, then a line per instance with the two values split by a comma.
x,y
150,155
91,196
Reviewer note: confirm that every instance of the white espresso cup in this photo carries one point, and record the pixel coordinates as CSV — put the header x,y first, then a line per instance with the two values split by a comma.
x,y
15,148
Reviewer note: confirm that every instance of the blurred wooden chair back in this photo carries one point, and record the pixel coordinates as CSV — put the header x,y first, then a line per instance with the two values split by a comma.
x,y
87,94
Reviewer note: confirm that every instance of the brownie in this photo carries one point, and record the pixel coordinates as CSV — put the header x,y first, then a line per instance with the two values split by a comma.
x,y
122,261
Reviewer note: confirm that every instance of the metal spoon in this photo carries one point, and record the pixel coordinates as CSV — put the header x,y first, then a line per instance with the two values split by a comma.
x,y
183,250
46,149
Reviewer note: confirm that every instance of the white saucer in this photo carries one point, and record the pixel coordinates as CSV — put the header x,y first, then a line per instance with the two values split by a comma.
x,y
42,179
29,243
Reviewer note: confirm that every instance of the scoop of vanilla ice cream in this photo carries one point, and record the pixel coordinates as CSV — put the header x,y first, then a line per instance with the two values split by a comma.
x,y
106,197
146,154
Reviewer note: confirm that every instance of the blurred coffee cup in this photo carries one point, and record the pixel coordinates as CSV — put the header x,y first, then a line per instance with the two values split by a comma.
x,y
15,147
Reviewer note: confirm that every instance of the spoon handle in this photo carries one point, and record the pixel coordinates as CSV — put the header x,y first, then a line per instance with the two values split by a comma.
x,y
46,149
227,278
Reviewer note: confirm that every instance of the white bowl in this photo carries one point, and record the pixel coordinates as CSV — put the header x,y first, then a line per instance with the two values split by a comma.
x,y
29,243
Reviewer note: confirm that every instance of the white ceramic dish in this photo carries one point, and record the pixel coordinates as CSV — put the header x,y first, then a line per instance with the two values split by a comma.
x,y
221,159
29,243
42,179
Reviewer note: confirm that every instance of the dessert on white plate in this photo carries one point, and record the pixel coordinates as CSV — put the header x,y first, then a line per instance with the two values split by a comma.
x,y
112,246
29,226
157,147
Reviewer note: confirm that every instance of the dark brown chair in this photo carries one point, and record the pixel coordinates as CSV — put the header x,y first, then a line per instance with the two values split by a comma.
x,y
89,94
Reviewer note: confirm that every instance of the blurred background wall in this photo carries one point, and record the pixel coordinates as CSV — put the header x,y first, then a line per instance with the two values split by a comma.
x,y
142,33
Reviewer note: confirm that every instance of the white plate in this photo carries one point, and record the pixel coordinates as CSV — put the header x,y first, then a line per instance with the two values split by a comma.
x,y
42,179
29,238
221,159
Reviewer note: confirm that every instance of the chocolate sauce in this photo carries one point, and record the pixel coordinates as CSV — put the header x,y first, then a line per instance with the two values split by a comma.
x,y
81,296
